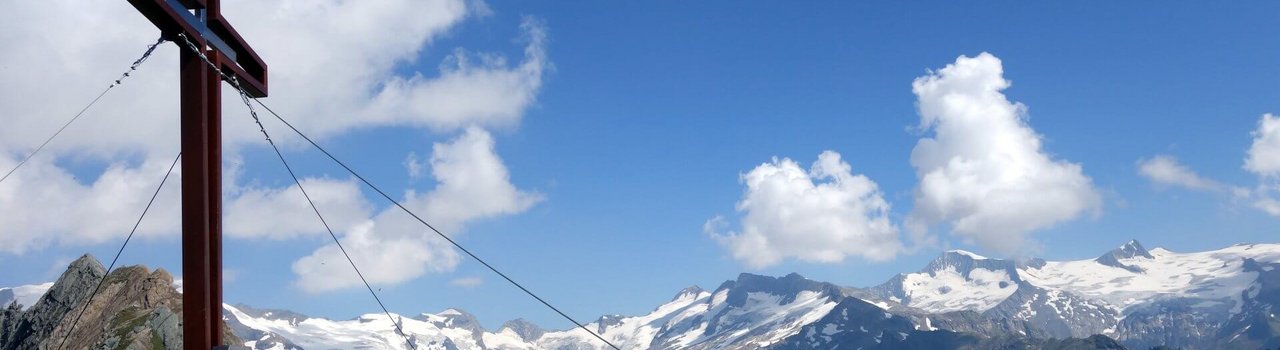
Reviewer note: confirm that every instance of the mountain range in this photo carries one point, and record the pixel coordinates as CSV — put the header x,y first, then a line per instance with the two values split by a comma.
x,y
1129,297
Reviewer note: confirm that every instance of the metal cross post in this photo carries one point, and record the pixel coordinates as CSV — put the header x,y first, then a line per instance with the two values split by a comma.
x,y
201,22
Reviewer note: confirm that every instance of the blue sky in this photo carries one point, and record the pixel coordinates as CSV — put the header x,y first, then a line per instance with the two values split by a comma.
x,y
648,113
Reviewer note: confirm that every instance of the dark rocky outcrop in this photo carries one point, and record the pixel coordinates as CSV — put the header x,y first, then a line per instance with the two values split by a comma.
x,y
29,329
135,308
1256,325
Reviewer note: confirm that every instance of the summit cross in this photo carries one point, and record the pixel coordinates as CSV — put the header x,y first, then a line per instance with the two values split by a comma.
x,y
200,22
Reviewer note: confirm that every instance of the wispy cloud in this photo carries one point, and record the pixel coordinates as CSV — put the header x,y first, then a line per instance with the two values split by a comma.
x,y
1262,159
467,282
1167,171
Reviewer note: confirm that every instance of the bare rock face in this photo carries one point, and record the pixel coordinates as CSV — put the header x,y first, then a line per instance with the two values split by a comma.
x,y
135,308
131,300
527,330
32,328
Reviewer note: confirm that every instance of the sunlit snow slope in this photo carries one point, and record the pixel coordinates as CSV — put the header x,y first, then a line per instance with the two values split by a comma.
x,y
1217,277
1206,300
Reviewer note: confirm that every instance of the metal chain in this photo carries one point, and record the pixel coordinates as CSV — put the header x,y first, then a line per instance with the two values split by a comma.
x,y
244,95
117,82
139,61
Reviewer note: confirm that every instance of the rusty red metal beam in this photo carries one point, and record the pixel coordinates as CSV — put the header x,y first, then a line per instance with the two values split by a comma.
x,y
201,22
166,18
213,196
247,62
196,211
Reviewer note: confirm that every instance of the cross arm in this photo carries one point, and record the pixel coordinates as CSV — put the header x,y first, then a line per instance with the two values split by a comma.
x,y
207,27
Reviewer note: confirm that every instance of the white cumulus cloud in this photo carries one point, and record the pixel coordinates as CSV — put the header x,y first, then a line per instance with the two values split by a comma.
x,y
337,62
393,247
1166,170
472,89
382,260
820,215
983,171
344,65
473,183
283,213
43,204
1263,157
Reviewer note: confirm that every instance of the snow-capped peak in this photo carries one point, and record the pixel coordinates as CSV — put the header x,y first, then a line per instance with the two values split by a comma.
x,y
689,292
786,287
452,318
525,329
956,280
1132,249
963,262
969,254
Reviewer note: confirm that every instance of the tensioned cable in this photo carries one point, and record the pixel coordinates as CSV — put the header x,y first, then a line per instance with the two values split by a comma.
x,y
244,96
117,82
437,231
126,243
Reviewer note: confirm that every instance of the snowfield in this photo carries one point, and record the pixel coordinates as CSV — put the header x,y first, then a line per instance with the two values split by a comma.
x,y
372,331
1216,277
1057,299
948,290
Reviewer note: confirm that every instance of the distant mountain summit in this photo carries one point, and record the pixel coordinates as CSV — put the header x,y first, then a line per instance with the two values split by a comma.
x,y
1129,297
526,330
955,280
1130,250
750,312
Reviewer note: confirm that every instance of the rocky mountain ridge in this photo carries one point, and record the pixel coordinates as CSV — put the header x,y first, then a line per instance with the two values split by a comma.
x,y
1128,297
135,308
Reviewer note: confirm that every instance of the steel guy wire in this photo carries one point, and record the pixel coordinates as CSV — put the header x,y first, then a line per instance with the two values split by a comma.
x,y
117,82
244,96
118,252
